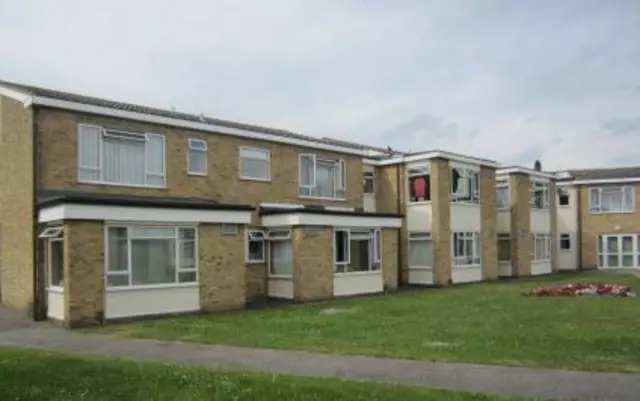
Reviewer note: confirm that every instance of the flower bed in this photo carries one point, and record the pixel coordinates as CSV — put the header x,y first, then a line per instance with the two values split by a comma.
x,y
580,289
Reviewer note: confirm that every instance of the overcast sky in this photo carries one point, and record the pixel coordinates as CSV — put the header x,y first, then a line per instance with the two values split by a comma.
x,y
511,80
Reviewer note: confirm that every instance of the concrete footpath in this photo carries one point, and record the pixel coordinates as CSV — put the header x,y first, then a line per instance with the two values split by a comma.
x,y
526,382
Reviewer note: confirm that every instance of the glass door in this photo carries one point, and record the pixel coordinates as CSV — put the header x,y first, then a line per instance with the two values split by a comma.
x,y
627,249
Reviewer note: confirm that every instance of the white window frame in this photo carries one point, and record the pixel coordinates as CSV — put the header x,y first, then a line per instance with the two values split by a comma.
x,y
476,249
420,237
546,250
561,191
228,228
603,252
51,232
197,147
266,157
470,176
305,190
504,237
374,237
113,133
564,237
543,187
502,186
53,235
418,171
627,193
129,271
273,236
255,235
369,177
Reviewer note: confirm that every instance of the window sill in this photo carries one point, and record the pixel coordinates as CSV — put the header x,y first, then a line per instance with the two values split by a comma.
x,y
564,206
254,262
322,198
466,266
504,262
599,213
541,261
151,287
281,276
504,209
465,203
420,268
56,290
367,273
113,184
194,174
540,209
254,179
419,203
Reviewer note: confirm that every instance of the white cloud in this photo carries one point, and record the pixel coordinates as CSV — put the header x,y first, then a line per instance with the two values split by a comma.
x,y
504,80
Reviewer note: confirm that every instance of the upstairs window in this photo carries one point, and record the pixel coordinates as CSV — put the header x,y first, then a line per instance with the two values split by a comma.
x,y
465,185
419,184
611,199
539,195
565,242
321,177
502,195
563,196
107,156
255,164
369,182
197,157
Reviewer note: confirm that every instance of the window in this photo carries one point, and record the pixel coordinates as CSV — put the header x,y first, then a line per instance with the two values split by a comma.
x,y
151,255
539,195
229,229
322,178
504,247
357,250
122,158
466,249
54,255
419,184
563,196
541,247
618,250
565,242
420,250
255,164
611,200
369,182
502,195
280,253
465,185
197,157
255,246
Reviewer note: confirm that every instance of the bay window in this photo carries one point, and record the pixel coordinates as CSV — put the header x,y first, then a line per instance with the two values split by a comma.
x,y
151,255
539,195
466,249
541,247
321,177
465,185
357,250
618,199
107,156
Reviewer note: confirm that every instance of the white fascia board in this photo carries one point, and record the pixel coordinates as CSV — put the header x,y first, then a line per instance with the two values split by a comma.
x,y
21,97
307,219
529,172
437,154
149,118
607,181
142,214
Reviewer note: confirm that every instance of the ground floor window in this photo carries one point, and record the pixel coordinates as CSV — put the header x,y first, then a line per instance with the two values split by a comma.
x,y
420,250
357,250
466,249
255,246
620,250
504,247
280,252
541,247
54,249
565,242
151,255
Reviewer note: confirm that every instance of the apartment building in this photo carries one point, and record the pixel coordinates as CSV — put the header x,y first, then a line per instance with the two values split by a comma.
x,y
110,211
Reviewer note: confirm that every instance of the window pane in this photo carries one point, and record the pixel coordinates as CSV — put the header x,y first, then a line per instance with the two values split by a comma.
x,y
502,197
612,244
152,261
252,168
155,154
124,161
117,252
325,181
118,280
197,162
153,232
187,254
341,246
56,260
627,244
360,255
187,277
420,188
281,257
187,233
627,260
504,250
612,261
306,170
420,253
256,250
89,153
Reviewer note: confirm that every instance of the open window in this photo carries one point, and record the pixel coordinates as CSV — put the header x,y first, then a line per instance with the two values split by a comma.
x,y
563,196
341,248
255,244
322,177
54,249
465,185
419,184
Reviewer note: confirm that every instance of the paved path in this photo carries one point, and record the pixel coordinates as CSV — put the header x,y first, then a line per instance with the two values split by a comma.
x,y
487,379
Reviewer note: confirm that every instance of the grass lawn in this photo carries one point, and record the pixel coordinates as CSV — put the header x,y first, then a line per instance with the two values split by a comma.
x,y
35,375
483,323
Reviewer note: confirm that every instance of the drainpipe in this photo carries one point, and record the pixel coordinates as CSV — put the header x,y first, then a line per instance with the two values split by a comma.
x,y
39,313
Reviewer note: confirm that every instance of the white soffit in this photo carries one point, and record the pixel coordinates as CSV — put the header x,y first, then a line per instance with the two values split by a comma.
x,y
333,220
142,214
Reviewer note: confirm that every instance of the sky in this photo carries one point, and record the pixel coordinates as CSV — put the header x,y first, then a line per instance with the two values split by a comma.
x,y
512,81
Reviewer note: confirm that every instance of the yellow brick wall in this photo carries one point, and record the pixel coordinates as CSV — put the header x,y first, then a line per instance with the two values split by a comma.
x,y
312,263
441,220
520,209
488,240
